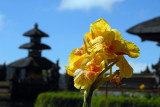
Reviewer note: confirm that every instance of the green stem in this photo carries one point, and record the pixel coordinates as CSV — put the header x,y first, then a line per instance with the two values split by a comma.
x,y
84,100
87,97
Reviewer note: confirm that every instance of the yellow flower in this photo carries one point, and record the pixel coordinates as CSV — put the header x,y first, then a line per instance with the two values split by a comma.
x,y
84,68
109,42
142,86
102,46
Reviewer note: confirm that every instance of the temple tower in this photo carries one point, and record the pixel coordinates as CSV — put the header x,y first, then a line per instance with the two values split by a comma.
x,y
34,73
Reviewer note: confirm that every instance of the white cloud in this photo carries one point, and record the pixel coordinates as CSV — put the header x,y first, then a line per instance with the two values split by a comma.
x,y
87,4
1,21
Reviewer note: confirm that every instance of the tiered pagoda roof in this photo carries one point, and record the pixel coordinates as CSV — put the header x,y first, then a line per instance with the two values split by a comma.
x,y
35,47
35,32
35,43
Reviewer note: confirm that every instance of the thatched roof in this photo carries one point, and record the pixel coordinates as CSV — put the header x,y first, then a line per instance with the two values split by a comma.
x,y
29,62
35,32
34,46
148,30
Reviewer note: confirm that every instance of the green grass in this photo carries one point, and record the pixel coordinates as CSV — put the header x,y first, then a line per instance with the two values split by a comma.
x,y
75,99
59,99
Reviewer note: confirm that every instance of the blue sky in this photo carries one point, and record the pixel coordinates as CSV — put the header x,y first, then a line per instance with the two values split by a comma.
x,y
66,22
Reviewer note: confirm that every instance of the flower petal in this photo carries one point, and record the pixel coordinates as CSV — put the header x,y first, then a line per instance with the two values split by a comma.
x,y
133,50
109,36
99,27
88,37
125,69
123,47
69,72
118,35
85,61
75,60
96,44
80,81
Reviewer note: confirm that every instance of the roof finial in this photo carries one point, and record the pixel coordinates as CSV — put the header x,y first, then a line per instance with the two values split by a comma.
x,y
36,26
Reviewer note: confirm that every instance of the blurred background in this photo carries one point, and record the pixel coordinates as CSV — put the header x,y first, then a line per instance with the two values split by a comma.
x,y
63,24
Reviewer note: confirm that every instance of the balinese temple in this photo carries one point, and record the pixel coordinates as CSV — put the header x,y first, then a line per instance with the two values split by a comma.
x,y
34,73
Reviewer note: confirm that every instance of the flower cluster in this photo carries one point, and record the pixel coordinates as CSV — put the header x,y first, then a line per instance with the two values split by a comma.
x,y
102,46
